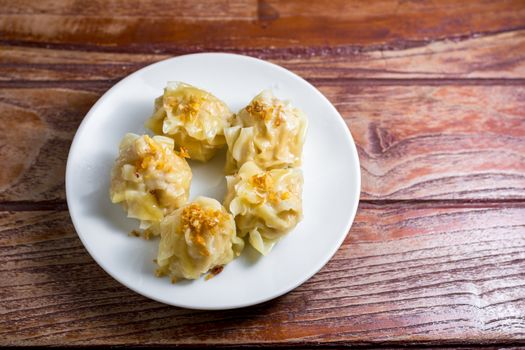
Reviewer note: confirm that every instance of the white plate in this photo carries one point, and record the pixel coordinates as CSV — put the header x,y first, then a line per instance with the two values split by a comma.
x,y
330,196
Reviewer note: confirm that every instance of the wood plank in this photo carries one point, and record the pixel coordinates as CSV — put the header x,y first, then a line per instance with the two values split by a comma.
x,y
406,273
36,130
173,9
436,142
284,24
414,142
489,56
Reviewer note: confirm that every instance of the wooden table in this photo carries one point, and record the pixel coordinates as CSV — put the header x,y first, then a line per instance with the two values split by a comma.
x,y
434,97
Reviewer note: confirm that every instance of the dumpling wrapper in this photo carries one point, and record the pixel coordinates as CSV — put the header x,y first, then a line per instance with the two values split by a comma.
x,y
197,238
266,204
194,118
149,178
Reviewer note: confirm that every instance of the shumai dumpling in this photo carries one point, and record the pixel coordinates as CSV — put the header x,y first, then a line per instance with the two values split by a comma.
x,y
149,178
197,238
194,118
266,204
269,132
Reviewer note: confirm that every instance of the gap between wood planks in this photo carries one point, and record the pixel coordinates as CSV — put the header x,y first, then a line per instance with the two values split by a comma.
x,y
61,205
338,345
107,83
398,345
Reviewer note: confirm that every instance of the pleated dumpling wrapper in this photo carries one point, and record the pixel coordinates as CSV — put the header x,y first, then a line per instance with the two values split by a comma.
x,y
266,204
269,132
194,118
197,238
149,178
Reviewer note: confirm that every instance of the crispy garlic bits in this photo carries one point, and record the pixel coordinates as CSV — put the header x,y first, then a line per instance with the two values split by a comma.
x,y
194,118
266,204
269,132
197,238
149,178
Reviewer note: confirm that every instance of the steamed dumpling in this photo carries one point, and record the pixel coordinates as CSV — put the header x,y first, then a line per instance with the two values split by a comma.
x,y
266,204
197,238
149,178
194,118
269,132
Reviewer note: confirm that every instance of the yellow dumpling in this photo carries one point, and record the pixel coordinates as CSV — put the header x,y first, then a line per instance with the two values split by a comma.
x,y
197,238
266,204
194,118
269,132
149,178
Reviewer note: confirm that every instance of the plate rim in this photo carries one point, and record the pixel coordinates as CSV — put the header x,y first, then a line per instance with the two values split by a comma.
x,y
350,218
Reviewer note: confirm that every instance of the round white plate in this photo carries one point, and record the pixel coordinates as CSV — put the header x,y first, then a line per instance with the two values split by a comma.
x,y
330,195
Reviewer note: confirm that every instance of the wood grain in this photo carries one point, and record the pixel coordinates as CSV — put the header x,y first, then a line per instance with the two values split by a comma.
x,y
437,142
487,56
415,142
261,24
405,273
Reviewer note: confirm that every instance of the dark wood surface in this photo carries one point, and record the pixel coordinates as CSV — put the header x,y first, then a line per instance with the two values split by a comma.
x,y
434,95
